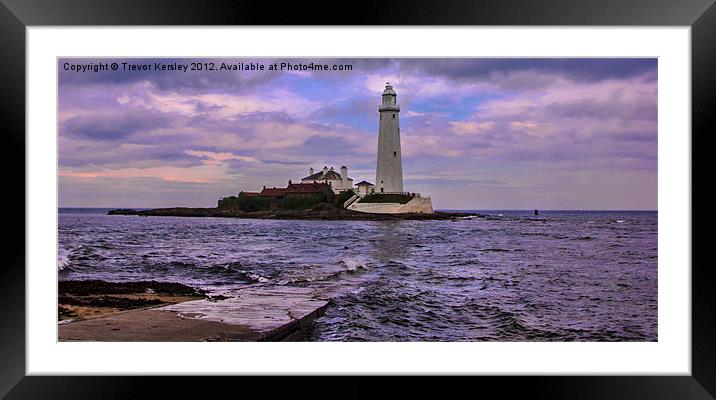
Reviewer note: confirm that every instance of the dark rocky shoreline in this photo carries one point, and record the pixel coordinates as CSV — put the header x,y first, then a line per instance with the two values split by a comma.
x,y
99,287
337,214
87,298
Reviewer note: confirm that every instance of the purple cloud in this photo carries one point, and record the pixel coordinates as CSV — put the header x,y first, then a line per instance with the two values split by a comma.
x,y
113,125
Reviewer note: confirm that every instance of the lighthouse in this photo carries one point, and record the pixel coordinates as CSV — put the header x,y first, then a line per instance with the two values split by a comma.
x,y
389,170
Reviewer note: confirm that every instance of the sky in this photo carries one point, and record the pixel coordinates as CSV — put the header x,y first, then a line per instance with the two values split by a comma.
x,y
476,133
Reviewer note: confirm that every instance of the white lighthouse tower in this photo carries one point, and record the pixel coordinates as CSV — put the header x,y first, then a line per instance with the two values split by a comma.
x,y
389,170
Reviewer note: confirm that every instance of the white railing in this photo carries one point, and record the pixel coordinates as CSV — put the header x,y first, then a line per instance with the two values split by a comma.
x,y
351,201
411,194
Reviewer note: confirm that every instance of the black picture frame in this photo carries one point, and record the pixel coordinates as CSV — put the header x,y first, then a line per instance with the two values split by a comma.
x,y
16,15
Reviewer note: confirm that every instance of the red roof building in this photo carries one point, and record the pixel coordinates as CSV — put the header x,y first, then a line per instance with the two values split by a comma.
x,y
299,190
274,192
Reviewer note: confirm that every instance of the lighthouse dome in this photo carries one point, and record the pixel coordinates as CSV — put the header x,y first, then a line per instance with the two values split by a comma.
x,y
388,89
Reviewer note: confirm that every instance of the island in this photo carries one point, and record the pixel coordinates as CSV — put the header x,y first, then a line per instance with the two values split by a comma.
x,y
320,212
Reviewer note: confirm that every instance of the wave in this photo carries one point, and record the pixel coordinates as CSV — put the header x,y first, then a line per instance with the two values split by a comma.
x,y
351,267
63,259
235,269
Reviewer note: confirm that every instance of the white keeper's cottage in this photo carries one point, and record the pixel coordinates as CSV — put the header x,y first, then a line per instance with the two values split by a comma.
x,y
338,182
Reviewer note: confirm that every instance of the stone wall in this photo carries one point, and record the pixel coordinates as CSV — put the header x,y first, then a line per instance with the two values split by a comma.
x,y
422,205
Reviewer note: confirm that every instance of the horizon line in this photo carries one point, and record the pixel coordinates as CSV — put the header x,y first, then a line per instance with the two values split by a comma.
x,y
437,209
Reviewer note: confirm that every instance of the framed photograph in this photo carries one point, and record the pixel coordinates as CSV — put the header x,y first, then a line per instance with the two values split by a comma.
x,y
499,190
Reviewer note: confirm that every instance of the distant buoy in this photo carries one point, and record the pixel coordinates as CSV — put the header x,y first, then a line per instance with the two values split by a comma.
x,y
536,212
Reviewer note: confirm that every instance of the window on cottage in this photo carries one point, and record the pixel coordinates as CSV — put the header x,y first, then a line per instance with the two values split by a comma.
x,y
381,190
395,154
393,116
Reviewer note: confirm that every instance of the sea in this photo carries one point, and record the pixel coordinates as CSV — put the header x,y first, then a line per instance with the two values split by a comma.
x,y
503,276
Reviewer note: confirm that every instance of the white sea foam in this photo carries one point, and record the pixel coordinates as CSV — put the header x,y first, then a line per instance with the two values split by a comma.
x,y
353,264
63,259
258,278
357,290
